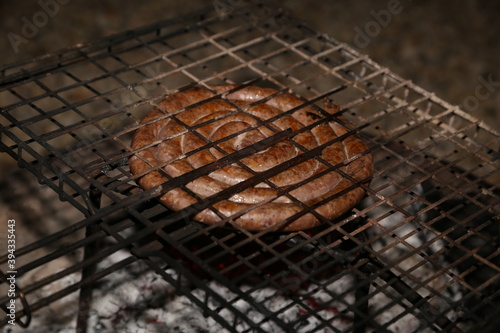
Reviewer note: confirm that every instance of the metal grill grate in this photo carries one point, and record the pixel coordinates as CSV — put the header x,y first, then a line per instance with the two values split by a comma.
x,y
421,249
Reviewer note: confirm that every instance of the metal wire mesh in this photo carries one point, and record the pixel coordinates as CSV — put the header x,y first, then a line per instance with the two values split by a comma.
x,y
424,243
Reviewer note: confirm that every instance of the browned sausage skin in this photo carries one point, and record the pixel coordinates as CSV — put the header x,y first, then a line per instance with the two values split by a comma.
x,y
187,120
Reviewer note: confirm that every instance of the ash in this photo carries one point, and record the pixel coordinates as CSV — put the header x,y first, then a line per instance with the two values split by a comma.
x,y
135,299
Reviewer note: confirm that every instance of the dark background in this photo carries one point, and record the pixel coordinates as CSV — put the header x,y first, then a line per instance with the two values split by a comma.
x,y
444,46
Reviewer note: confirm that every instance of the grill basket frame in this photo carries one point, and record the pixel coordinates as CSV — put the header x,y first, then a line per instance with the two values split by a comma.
x,y
436,171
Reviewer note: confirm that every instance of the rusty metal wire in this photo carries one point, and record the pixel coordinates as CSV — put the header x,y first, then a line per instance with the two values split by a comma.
x,y
425,238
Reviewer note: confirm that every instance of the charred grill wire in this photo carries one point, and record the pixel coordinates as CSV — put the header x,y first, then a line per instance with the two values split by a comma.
x,y
418,254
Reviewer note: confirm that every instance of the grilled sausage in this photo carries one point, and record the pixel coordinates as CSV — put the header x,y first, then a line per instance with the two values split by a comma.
x,y
176,133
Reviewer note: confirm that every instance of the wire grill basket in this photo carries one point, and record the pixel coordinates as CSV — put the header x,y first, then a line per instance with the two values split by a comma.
x,y
419,253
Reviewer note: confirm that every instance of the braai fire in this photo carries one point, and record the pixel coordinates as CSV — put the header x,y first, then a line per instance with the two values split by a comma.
x,y
244,175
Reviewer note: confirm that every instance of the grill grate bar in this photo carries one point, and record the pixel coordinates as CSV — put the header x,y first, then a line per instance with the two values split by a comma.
x,y
194,280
